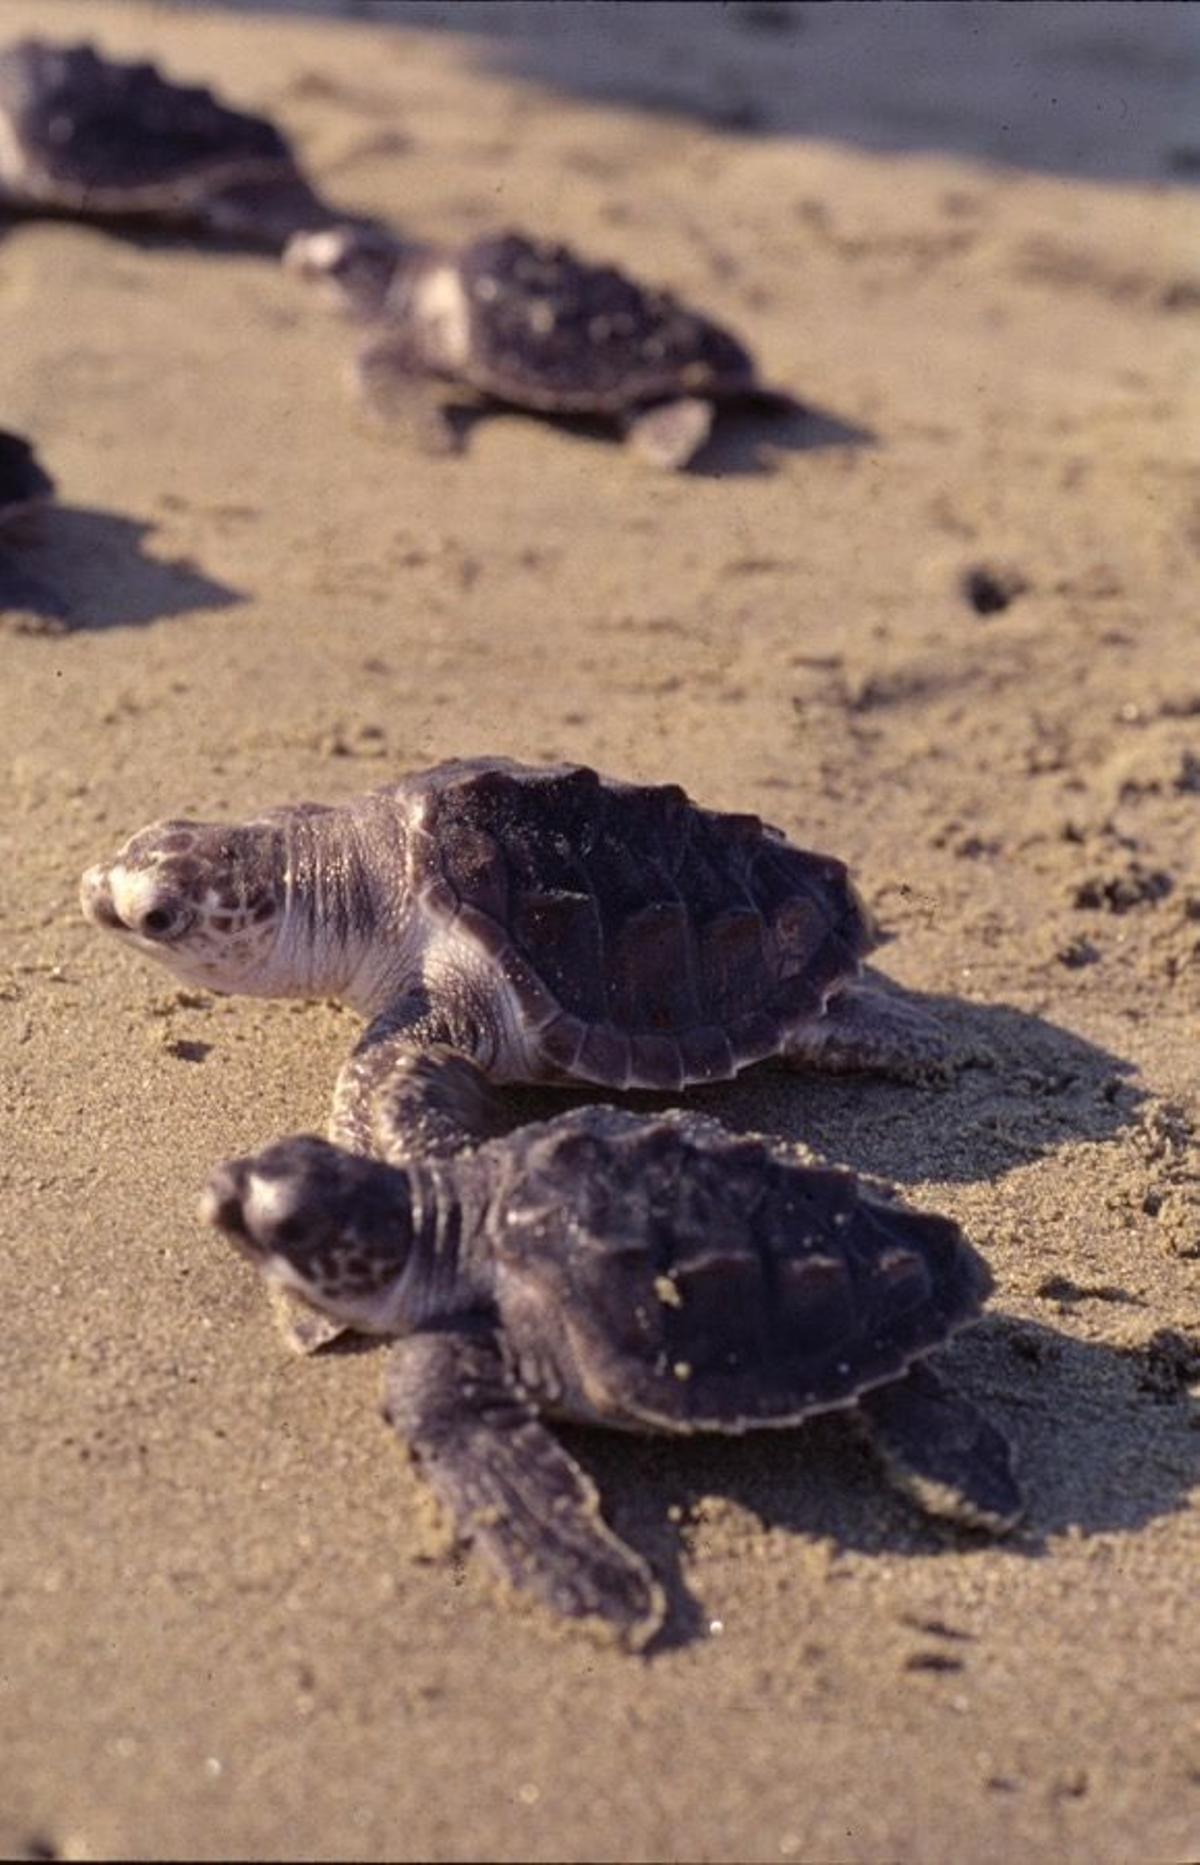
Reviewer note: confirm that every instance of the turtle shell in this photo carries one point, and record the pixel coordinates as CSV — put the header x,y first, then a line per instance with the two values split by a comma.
x,y
23,482
87,134
712,1282
643,942
548,331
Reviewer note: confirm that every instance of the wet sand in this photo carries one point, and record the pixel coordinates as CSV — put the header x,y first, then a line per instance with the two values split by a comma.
x,y
943,624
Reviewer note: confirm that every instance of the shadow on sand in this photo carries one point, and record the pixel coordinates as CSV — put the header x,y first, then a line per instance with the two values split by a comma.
x,y
74,568
1030,1086
746,440
1104,1442
1104,1439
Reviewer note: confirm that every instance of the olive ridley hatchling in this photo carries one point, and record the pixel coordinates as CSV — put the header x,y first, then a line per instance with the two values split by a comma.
x,y
529,324
652,1274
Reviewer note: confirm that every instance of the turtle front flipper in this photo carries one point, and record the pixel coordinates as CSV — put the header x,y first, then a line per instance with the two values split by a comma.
x,y
301,1327
671,433
395,385
510,1487
943,1453
411,1091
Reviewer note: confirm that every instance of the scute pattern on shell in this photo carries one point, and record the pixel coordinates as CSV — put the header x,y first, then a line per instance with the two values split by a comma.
x,y
93,128
824,1292
554,332
648,941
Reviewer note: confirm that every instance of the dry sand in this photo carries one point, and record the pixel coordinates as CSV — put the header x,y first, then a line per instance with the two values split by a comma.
x,y
226,1628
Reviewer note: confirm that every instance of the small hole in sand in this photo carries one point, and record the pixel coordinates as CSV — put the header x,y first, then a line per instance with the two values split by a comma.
x,y
991,588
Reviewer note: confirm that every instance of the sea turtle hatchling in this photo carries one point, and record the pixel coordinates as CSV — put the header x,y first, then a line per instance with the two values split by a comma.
x,y
24,482
532,325
651,1274
92,137
25,486
501,922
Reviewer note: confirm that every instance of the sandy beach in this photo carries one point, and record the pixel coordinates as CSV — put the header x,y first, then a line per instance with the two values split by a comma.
x,y
942,623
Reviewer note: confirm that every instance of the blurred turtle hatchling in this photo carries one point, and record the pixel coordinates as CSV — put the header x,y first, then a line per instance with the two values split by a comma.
x,y
25,487
94,138
24,483
532,325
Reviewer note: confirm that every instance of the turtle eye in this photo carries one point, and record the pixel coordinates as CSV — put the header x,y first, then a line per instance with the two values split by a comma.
x,y
163,921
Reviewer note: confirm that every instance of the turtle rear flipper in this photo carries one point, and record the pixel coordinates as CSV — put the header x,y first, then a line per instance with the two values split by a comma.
x,y
510,1487
671,433
873,1032
267,211
943,1453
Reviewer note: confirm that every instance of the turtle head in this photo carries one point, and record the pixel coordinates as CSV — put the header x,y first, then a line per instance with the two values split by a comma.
x,y
332,1227
205,899
354,266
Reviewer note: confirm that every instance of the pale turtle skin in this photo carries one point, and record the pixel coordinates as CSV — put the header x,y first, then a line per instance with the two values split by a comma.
x,y
99,139
646,1274
543,924
529,324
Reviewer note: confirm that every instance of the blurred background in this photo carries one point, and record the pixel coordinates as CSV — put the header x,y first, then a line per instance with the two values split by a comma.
x,y
1106,90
